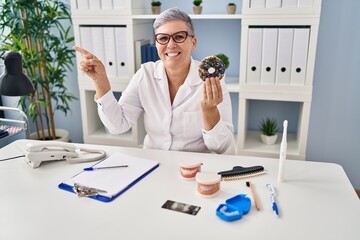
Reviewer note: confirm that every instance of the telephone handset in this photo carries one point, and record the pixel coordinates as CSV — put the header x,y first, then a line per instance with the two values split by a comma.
x,y
40,151
41,146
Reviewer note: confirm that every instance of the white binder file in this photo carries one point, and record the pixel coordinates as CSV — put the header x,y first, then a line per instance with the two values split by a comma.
x,y
121,50
82,4
110,51
86,38
98,43
94,4
254,55
273,3
299,58
257,4
305,3
283,64
107,4
289,3
269,55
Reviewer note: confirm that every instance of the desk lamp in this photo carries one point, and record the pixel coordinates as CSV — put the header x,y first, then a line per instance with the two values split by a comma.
x,y
14,82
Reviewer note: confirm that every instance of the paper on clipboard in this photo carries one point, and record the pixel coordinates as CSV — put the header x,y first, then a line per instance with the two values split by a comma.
x,y
112,181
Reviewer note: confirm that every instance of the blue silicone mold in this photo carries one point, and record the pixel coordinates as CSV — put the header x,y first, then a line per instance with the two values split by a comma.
x,y
234,208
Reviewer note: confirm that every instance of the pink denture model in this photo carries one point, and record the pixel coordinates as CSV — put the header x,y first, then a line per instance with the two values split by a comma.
x,y
189,169
208,184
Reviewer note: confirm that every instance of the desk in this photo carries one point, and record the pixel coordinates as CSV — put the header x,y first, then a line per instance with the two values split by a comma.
x,y
316,201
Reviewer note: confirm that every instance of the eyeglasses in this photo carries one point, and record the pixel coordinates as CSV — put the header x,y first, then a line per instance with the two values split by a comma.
x,y
178,37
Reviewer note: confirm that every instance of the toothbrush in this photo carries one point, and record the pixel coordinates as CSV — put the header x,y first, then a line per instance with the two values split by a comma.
x,y
248,184
283,148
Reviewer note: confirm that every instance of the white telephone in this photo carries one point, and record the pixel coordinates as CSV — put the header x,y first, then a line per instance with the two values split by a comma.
x,y
39,151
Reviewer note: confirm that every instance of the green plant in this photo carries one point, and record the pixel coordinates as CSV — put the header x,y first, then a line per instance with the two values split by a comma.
x,y
224,59
155,3
197,2
35,28
231,4
268,126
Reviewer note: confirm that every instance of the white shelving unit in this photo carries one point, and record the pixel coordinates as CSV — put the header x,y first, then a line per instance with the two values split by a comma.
x,y
302,16
136,22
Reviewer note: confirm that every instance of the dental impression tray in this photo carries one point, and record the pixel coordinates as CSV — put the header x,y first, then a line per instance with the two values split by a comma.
x,y
234,208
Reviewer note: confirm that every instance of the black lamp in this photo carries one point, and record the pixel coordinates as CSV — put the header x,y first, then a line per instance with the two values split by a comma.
x,y
14,82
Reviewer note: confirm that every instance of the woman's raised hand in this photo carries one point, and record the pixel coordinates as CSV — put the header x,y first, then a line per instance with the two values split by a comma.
x,y
95,69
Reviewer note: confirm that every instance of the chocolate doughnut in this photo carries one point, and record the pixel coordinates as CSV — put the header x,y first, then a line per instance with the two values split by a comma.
x,y
211,66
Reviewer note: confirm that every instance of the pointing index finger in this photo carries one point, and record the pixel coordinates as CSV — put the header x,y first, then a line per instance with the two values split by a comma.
x,y
80,50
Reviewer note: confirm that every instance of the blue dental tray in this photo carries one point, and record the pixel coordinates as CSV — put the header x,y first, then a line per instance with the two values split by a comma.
x,y
234,208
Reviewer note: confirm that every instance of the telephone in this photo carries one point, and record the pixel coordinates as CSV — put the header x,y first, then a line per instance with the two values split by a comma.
x,y
37,152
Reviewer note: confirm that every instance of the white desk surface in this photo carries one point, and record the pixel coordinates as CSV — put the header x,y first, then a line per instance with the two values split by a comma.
x,y
316,201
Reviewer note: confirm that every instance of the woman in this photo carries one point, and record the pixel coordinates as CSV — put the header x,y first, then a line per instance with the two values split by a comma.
x,y
181,112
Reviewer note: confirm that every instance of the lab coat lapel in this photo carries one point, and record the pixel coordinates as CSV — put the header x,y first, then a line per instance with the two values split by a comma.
x,y
160,76
185,90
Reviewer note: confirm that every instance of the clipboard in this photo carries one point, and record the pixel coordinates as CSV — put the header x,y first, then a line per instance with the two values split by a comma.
x,y
112,182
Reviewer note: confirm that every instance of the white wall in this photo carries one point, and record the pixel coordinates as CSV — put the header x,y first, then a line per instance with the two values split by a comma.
x,y
334,132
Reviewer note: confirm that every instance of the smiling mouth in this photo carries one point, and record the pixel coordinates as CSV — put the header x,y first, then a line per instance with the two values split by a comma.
x,y
173,54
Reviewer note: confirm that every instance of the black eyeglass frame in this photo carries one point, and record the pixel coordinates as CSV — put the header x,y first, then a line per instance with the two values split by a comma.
x,y
172,36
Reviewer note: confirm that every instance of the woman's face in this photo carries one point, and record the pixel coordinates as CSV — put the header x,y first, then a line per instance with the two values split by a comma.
x,y
173,54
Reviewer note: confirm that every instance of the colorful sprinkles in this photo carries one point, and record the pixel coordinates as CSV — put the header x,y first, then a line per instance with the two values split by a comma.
x,y
211,66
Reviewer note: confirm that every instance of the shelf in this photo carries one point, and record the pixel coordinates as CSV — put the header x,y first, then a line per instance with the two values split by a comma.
x,y
194,16
253,146
276,92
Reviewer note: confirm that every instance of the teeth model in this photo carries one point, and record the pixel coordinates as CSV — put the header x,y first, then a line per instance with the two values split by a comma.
x,y
188,172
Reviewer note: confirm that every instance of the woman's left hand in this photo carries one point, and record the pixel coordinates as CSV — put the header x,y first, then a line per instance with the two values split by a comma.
x,y
212,96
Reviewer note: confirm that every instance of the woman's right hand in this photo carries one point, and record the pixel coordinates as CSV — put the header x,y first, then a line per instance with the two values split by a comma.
x,y
95,69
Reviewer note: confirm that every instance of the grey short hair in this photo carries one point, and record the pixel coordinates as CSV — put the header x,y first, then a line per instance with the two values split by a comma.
x,y
173,14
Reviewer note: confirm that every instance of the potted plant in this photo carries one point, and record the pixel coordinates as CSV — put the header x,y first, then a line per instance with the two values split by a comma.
x,y
224,59
155,7
268,128
231,8
36,30
197,6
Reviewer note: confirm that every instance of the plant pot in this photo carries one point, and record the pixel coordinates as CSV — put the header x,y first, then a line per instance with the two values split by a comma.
x,y
61,135
269,140
197,9
231,9
155,10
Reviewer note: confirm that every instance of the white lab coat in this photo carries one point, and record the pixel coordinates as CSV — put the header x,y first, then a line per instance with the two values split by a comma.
x,y
171,127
